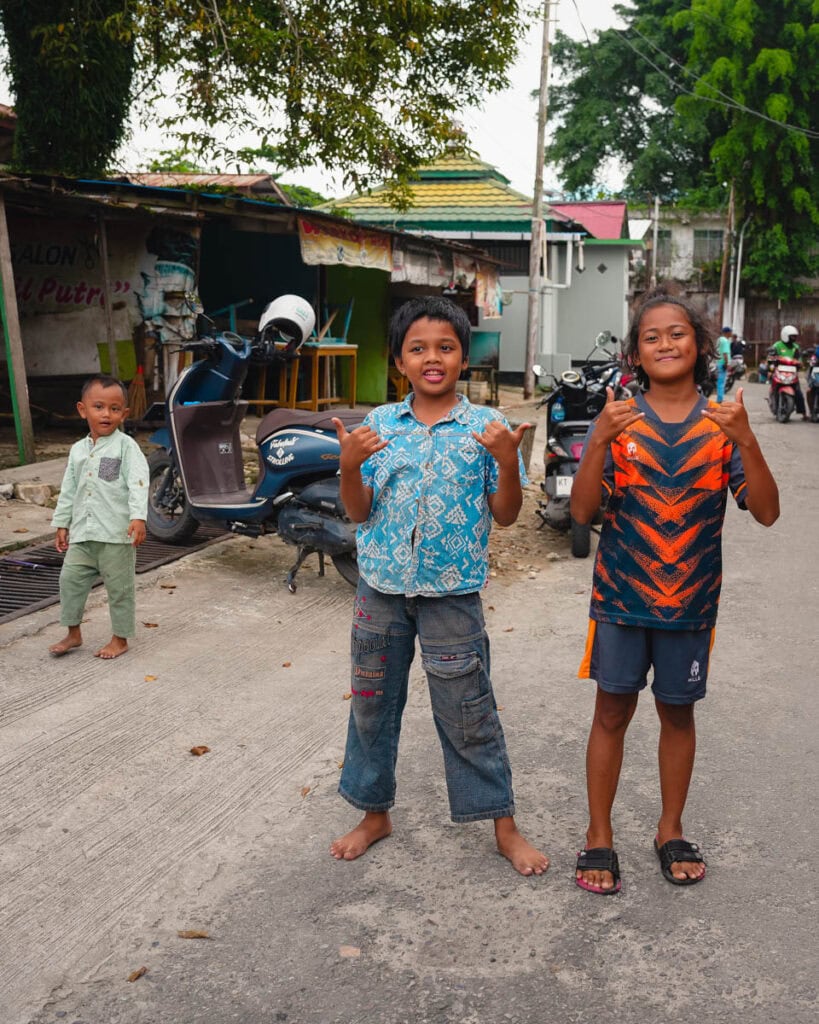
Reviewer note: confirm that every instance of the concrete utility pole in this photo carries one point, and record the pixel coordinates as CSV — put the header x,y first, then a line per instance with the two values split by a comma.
x,y
536,243
727,244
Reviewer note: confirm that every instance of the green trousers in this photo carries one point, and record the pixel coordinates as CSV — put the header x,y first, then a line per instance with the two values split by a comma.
x,y
116,564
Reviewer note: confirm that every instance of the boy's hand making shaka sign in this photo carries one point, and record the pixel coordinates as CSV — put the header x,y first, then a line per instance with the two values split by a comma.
x,y
500,441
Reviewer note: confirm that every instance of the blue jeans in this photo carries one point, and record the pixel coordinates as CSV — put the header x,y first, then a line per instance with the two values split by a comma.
x,y
722,374
455,656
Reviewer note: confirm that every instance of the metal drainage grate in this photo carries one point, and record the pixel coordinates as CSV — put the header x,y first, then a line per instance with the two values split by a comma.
x,y
30,577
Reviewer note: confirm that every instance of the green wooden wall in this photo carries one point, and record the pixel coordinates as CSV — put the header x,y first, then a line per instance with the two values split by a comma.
x,y
368,326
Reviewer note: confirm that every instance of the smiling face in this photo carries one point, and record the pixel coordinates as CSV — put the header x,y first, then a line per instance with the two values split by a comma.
x,y
103,408
666,345
431,357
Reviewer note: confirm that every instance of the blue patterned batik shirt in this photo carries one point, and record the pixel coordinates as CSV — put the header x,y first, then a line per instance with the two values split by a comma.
x,y
428,529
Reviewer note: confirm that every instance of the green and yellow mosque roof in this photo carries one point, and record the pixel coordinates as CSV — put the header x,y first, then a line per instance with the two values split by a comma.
x,y
454,193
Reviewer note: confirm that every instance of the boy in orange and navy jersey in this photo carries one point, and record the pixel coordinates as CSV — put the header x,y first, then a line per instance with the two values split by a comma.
x,y
664,462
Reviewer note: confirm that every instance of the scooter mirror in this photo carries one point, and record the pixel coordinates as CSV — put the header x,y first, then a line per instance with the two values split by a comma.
x,y
538,370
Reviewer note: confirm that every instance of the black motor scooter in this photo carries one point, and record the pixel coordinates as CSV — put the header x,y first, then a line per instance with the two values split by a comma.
x,y
571,405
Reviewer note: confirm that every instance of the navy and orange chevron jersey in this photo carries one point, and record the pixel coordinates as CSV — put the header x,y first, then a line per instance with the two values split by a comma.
x,y
659,561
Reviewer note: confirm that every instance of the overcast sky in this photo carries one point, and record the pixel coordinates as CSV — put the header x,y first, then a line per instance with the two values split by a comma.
x,y
502,132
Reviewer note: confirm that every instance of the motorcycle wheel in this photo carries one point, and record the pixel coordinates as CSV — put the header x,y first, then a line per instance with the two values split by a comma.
x,y
170,526
581,539
813,402
347,566
784,408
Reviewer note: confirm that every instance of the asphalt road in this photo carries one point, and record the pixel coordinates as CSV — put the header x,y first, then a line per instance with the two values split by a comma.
x,y
114,837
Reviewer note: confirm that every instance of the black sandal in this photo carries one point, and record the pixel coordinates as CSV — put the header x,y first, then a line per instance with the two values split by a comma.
x,y
600,858
678,851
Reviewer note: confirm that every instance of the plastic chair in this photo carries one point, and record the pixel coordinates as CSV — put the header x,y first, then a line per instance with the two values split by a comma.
x,y
339,317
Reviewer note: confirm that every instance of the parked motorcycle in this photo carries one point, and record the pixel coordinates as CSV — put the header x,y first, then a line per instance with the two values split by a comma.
x,y
736,368
784,380
611,372
576,398
197,475
735,371
813,388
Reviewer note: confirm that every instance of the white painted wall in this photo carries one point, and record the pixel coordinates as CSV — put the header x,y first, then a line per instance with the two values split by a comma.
x,y
596,301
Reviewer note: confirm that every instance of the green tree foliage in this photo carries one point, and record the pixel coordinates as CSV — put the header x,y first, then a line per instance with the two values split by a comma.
x,y
614,104
692,94
758,60
71,101
370,87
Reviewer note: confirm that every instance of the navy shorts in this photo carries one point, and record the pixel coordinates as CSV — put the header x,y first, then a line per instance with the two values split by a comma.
x,y
618,658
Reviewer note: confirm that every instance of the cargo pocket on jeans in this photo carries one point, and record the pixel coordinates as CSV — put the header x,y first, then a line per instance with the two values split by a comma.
x,y
454,699
479,719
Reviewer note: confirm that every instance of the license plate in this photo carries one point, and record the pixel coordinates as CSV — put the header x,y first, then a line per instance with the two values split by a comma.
x,y
563,486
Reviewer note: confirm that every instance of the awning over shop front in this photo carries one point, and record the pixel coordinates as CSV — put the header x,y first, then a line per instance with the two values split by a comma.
x,y
349,245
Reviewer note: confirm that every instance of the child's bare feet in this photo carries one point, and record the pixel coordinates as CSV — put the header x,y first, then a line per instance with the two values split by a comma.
x,y
72,639
116,645
524,857
373,826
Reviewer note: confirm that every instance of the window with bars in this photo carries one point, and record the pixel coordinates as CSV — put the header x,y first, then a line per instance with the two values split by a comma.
x,y
515,256
707,246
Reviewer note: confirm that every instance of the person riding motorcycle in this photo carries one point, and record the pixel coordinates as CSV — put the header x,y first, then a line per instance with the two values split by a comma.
x,y
788,348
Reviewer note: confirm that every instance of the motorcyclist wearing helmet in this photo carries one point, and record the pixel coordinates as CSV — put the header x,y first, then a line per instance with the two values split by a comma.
x,y
788,348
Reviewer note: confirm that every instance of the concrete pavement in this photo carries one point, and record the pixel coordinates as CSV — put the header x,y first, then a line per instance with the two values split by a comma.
x,y
114,837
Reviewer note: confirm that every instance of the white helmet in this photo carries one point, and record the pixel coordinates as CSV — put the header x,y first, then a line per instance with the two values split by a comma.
x,y
788,332
291,318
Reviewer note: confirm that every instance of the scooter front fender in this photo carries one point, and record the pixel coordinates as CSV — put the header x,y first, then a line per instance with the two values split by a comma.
x,y
161,437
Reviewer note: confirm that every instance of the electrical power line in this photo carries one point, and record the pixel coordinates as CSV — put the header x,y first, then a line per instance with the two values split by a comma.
x,y
728,102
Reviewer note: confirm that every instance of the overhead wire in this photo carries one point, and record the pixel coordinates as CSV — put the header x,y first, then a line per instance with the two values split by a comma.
x,y
728,102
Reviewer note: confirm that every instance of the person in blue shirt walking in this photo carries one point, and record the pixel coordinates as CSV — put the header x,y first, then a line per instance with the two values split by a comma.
x,y
723,358
424,478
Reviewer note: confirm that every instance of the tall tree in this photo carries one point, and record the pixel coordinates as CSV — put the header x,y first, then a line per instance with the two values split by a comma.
x,y
613,102
757,61
72,100
370,87
694,93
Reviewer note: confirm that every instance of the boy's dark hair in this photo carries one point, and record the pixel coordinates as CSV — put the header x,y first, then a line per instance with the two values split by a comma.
x,y
107,381
706,350
435,307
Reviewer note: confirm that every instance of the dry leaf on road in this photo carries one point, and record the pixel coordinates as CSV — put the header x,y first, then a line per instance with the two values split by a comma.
x,y
199,751
137,974
150,679
349,951
305,790
192,933
150,625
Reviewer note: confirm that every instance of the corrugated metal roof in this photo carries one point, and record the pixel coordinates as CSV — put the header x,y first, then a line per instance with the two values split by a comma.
x,y
605,219
251,184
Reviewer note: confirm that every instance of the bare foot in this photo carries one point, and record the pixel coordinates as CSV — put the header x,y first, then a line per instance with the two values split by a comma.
x,y
116,645
72,639
524,857
373,826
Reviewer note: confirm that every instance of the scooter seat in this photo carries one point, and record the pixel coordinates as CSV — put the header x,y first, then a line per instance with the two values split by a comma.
x,y
280,419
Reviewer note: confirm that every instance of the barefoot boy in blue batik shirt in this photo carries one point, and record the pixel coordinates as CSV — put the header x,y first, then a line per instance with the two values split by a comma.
x,y
425,478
